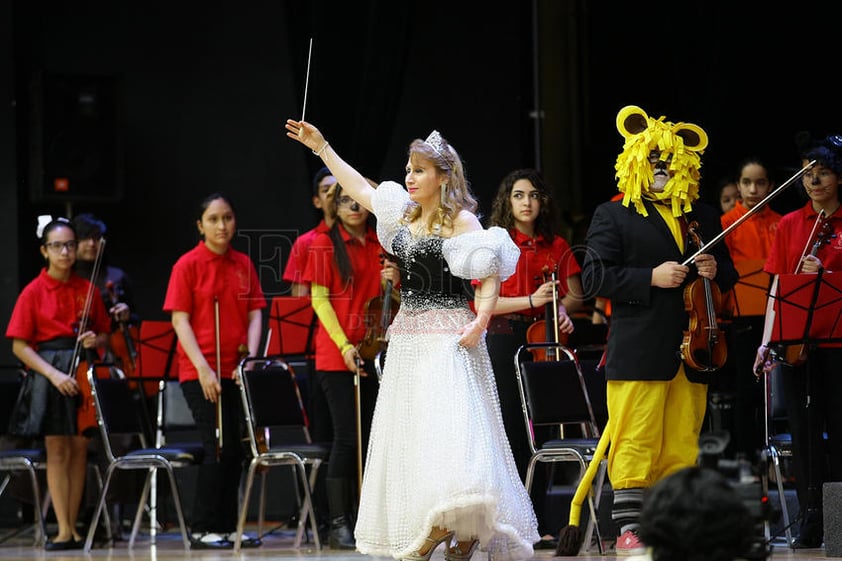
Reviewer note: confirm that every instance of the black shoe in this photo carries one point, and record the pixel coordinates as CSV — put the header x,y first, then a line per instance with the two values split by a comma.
x,y
806,543
546,543
209,540
810,532
246,541
340,535
65,545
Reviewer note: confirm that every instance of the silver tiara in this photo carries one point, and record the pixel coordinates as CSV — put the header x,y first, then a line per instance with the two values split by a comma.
x,y
436,142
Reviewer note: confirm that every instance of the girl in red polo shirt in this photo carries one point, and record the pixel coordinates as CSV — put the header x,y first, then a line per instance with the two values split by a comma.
x,y
817,381
44,329
344,271
214,281
524,206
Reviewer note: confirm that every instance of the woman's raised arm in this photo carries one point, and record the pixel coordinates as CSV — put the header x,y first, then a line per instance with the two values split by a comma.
x,y
350,179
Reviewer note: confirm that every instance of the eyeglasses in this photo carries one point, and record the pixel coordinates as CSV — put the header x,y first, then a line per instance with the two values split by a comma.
x,y
345,201
56,247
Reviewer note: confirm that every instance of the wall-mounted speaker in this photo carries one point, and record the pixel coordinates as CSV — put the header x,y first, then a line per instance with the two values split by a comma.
x,y
76,149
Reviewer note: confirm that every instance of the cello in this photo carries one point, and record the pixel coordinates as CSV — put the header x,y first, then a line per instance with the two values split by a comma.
x,y
703,347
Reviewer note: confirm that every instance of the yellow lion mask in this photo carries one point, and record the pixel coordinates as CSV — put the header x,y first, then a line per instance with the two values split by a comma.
x,y
684,142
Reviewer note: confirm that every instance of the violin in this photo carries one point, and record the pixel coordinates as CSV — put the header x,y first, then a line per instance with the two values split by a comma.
x,y
86,421
704,347
379,313
796,355
538,331
123,346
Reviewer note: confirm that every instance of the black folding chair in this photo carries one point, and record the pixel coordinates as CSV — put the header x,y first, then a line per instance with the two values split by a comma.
x,y
21,460
554,393
271,399
118,414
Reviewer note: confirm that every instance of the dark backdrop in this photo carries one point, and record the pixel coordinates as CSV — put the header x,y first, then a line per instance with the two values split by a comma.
x,y
176,100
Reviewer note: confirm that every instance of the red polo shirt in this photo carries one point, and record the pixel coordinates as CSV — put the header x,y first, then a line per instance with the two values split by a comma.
x,y
198,279
297,262
793,235
347,298
48,308
539,258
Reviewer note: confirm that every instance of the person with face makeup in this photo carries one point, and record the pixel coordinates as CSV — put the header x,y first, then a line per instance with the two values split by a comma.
x,y
439,470
344,272
216,303
636,250
812,387
46,334
323,183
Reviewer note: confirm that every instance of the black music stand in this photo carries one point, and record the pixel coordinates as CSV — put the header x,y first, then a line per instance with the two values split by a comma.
x,y
156,363
751,289
156,352
807,311
293,323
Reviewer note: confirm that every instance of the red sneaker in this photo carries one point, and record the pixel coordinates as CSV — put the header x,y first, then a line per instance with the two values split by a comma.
x,y
629,544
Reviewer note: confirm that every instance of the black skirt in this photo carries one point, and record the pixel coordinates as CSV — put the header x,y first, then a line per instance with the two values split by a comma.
x,y
40,409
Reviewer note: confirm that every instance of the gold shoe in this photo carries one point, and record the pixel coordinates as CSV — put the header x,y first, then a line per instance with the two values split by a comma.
x,y
431,543
462,551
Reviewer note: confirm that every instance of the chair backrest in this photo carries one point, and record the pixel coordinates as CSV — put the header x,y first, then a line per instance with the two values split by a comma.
x,y
554,392
776,403
118,408
271,397
174,421
10,383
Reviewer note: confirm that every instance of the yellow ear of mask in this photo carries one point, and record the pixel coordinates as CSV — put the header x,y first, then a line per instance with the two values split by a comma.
x,y
685,142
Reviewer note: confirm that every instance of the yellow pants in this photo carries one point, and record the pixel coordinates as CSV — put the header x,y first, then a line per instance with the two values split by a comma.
x,y
655,429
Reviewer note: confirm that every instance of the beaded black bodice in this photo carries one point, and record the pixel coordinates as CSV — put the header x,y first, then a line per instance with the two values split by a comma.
x,y
426,279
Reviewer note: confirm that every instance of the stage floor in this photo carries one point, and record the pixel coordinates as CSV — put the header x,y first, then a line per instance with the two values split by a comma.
x,y
276,545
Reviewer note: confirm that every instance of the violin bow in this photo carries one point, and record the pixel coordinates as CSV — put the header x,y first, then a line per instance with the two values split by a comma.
x,y
218,375
89,300
810,241
756,208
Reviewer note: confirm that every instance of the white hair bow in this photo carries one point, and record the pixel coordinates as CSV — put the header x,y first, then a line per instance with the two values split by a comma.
x,y
43,220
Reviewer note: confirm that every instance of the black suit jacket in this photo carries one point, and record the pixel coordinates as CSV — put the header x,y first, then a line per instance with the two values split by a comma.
x,y
647,323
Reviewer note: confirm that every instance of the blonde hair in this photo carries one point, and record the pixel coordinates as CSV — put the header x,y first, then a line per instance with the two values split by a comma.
x,y
456,195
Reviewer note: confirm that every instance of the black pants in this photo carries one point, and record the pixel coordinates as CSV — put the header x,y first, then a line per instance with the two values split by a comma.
x,y
744,336
216,503
815,461
338,387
